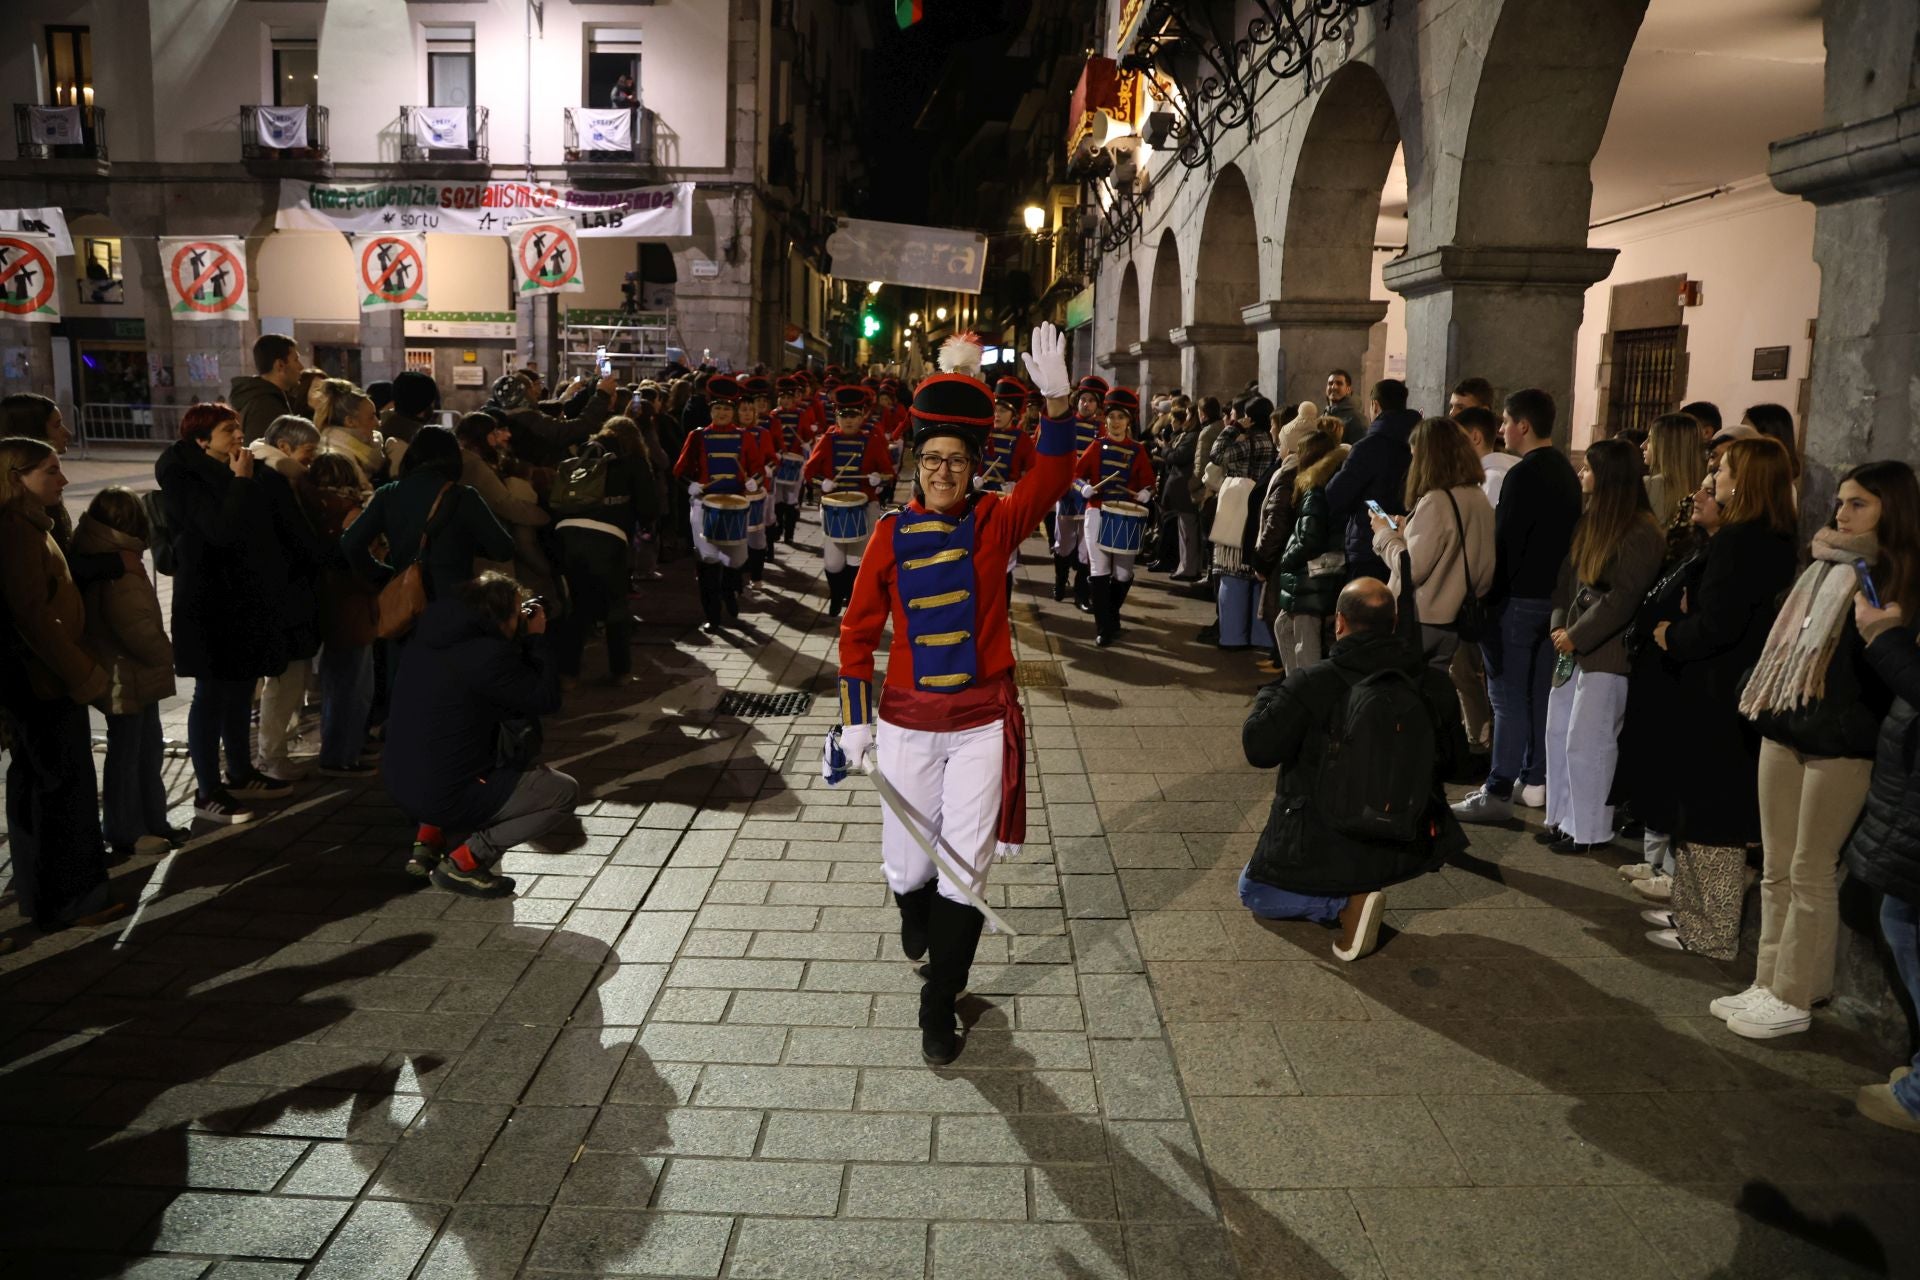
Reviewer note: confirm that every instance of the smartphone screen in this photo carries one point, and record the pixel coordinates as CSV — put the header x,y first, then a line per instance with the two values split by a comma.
x,y
1864,572
1381,511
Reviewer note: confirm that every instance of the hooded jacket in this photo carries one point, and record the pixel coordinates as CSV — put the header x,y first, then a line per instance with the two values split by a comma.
x,y
1299,588
126,632
1297,851
459,679
258,402
229,571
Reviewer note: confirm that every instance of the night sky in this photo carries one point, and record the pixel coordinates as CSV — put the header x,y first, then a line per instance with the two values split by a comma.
x,y
906,67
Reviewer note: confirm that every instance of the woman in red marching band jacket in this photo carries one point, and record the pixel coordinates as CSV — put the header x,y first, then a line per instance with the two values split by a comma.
x,y
756,399
1007,453
791,435
1114,468
948,733
852,456
720,458
1089,402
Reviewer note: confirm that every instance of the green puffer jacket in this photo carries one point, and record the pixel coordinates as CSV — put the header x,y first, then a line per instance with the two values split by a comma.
x,y
1315,534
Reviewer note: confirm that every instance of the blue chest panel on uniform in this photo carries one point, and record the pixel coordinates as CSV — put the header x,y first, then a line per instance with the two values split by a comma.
x,y
1000,446
848,453
1116,462
1084,431
789,420
723,454
933,556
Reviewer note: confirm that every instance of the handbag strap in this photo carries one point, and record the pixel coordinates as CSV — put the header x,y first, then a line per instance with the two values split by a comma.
x,y
432,511
1466,563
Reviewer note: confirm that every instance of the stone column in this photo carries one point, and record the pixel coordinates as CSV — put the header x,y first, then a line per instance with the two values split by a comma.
x,y
1216,359
1122,369
1509,315
1159,364
1311,336
383,344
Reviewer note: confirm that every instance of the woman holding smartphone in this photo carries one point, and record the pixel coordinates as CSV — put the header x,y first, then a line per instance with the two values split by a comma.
x,y
1818,705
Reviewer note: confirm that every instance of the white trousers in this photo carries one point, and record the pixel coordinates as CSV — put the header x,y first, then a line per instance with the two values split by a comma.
x,y
1584,716
951,782
734,556
785,493
1066,534
1101,561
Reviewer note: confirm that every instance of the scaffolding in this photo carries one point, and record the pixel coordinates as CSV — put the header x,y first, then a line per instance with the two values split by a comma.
x,y
634,344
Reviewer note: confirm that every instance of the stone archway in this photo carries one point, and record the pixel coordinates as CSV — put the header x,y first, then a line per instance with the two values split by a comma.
x,y
1498,264
1220,357
1325,308
1160,360
1120,362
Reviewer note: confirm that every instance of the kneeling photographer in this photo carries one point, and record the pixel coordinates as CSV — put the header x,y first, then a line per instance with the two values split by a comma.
x,y
464,731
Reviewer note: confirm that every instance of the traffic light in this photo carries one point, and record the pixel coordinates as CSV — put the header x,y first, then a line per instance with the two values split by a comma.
x,y
869,325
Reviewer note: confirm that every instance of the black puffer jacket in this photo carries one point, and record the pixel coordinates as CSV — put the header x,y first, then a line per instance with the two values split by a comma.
x,y
1885,848
229,570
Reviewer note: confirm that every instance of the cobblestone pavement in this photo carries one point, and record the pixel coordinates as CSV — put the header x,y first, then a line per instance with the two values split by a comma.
x,y
686,1047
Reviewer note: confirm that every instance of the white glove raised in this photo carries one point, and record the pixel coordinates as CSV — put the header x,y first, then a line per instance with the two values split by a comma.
x,y
1083,487
1143,495
753,484
828,486
876,478
856,740
1047,362
695,489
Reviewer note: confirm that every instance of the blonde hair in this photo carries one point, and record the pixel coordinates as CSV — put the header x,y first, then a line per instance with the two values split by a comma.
x,y
335,400
19,454
1443,458
1674,454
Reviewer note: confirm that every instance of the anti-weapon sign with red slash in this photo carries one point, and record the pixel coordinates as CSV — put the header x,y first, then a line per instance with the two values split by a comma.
x,y
206,278
393,272
548,258
26,278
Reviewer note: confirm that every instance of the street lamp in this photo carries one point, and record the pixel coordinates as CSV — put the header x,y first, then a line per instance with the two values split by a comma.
x,y
913,317
939,313
873,286
1036,218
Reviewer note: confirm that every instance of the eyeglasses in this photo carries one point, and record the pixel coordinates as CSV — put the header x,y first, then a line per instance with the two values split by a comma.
x,y
954,462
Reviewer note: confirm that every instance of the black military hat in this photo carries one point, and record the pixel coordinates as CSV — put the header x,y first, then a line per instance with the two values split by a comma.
x,y
1125,398
723,389
851,396
1010,391
952,404
1092,382
758,386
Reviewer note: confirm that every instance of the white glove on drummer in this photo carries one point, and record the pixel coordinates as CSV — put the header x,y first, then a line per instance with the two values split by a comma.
x,y
856,740
828,486
1142,495
753,484
1083,487
695,489
1047,362
876,478
979,481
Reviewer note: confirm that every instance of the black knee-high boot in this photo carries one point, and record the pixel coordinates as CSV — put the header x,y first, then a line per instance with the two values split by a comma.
x,y
1100,589
710,597
730,583
915,906
756,562
1062,567
953,935
1120,589
1082,597
839,589
789,521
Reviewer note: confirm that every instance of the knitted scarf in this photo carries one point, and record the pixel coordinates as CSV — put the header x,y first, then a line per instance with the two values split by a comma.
x,y
1792,671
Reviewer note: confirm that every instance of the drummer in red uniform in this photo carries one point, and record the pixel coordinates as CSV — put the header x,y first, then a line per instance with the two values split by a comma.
x,y
852,458
1068,558
947,734
792,438
1007,453
1116,468
756,403
720,458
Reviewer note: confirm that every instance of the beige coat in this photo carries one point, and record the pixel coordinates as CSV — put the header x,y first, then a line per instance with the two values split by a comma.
x,y
125,631
1432,544
45,607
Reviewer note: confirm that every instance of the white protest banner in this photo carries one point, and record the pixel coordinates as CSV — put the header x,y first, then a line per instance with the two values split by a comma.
x,y
206,277
609,129
28,290
55,126
281,128
441,128
393,271
44,222
484,208
545,259
918,257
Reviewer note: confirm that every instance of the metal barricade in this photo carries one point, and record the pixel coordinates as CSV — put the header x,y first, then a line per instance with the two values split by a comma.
x,y
129,423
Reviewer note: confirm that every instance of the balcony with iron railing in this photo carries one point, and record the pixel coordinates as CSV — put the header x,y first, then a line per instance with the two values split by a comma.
x,y
443,135
283,135
596,137
60,133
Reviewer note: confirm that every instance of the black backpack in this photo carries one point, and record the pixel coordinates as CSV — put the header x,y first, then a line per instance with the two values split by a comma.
x,y
580,484
160,539
1376,776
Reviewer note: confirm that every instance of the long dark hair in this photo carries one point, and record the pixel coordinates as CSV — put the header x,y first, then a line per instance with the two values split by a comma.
x,y
1893,483
1619,501
1776,422
434,449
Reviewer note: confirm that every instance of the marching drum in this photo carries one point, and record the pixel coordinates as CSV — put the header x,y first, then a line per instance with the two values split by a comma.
x,y
843,516
789,471
1122,525
760,514
723,519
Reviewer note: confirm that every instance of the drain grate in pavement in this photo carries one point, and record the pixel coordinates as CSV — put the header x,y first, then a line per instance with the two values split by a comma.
x,y
1039,675
755,706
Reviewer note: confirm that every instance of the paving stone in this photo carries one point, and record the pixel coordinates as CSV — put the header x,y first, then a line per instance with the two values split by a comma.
x,y
690,1004
814,946
1091,897
549,991
644,848
1472,1231
994,1251
580,1067
1019,1140
1227,1058
1073,1193
1119,1004
501,1062
1158,1172
1137,1080
810,1088
949,1092
1049,1013
261,1226
854,975
716,944
750,1186
733,917
775,975
232,1269
379,1238
338,1169
1324,1142
619,1242
686,1131
1197,992
1281,1234
743,893
439,1152
941,1191
482,1243
211,1161
800,1009
603,1179
864,893
1104,946
530,1156
798,1135
334,1113
679,889
621,995
689,1043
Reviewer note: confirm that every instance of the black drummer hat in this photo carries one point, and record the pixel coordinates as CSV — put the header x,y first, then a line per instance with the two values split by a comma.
x,y
851,396
788,382
1094,383
723,389
1010,391
759,387
952,404
1125,398
835,372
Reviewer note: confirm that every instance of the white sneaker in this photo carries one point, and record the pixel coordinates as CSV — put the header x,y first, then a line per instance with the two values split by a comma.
x,y
1637,871
1668,938
1768,1018
1659,888
1533,797
1726,1006
1658,919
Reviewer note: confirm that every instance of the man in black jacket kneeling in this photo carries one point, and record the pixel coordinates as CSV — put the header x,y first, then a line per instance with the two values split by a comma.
x,y
1363,740
474,678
